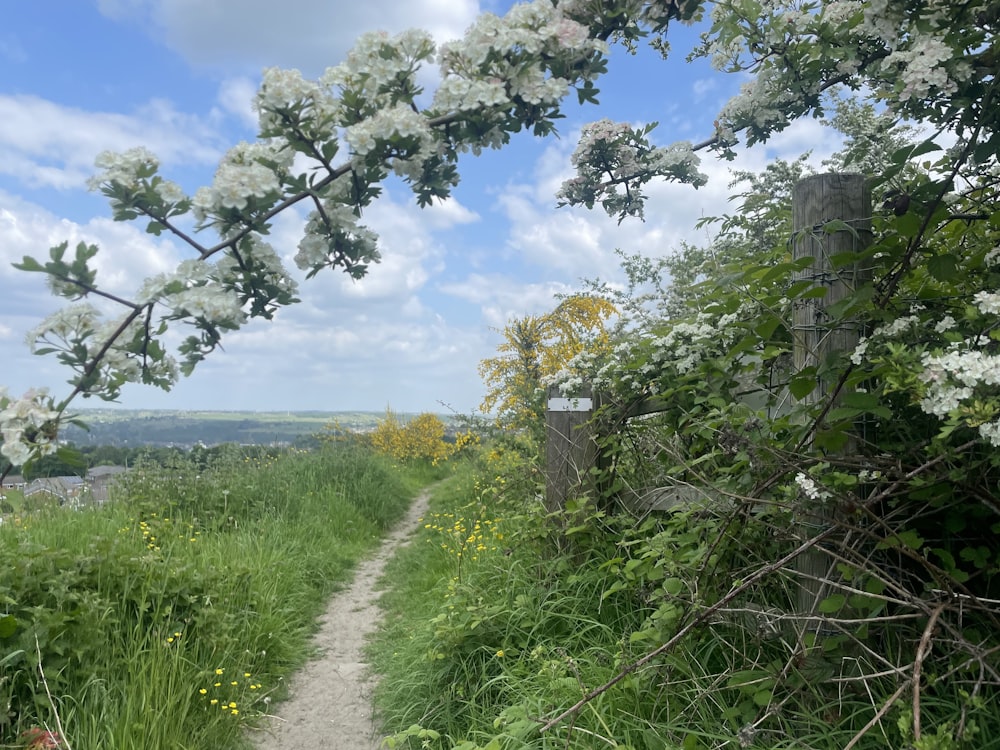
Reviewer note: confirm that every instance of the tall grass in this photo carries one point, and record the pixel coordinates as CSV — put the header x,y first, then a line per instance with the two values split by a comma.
x,y
499,618
486,631
172,617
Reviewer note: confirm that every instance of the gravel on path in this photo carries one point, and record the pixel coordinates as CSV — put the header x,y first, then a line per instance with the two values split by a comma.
x,y
329,705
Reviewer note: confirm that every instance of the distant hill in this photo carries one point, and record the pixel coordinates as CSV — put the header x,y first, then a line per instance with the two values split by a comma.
x,y
132,427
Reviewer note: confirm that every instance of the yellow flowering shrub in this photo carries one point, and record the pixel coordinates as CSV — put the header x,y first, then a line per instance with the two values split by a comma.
x,y
421,438
536,347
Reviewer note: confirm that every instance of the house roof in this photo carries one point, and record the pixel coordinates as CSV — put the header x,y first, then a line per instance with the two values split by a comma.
x,y
104,471
56,485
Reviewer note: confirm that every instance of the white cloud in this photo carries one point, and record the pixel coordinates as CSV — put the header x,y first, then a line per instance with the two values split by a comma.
x,y
126,257
502,298
347,345
236,96
306,34
702,87
43,143
578,243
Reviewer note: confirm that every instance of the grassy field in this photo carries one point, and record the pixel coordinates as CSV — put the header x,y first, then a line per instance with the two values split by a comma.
x,y
160,427
172,617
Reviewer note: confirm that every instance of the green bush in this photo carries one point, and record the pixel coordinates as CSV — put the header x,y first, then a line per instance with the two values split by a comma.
x,y
501,619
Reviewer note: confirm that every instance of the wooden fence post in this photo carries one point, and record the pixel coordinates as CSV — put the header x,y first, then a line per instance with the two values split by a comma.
x,y
570,446
816,201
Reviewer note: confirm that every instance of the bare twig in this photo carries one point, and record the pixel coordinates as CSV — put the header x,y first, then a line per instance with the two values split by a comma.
x,y
922,650
63,740
745,585
698,619
877,717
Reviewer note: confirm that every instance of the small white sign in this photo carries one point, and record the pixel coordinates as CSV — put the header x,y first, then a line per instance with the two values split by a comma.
x,y
571,404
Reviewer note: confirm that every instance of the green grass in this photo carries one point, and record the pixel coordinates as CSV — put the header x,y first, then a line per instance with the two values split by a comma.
x,y
493,629
137,606
486,633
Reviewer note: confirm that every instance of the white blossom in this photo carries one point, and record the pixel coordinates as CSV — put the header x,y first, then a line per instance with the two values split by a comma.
x,y
25,425
210,301
858,355
123,168
809,487
987,302
170,191
947,323
248,171
921,67
991,431
68,324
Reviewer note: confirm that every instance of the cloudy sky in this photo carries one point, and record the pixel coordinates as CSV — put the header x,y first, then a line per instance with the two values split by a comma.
x,y
177,76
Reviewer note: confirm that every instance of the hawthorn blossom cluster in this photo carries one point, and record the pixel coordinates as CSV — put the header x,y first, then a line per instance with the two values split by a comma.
x,y
808,487
687,344
613,161
284,91
82,325
635,366
954,379
334,236
913,56
27,425
496,64
379,71
882,334
125,168
257,259
248,172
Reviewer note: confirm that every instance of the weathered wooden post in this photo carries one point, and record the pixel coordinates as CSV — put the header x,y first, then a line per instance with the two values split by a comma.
x,y
817,201
570,447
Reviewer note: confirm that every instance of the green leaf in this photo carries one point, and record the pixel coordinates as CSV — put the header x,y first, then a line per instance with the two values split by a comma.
x,y
842,413
908,538
832,604
839,225
56,252
673,586
29,264
613,588
803,383
817,292
909,224
943,267
768,327
8,626
816,669
12,657
833,440
906,153
860,400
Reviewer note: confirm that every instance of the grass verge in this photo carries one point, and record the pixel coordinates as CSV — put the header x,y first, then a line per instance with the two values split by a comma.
x,y
172,617
500,618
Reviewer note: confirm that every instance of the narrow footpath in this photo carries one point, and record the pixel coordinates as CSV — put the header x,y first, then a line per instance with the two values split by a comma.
x,y
330,697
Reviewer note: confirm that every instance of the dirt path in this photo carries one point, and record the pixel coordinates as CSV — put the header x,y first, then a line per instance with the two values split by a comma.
x,y
330,702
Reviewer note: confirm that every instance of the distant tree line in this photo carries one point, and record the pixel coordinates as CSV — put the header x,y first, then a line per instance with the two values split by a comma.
x,y
74,460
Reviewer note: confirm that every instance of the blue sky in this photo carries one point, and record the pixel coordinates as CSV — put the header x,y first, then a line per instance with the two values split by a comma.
x,y
177,76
